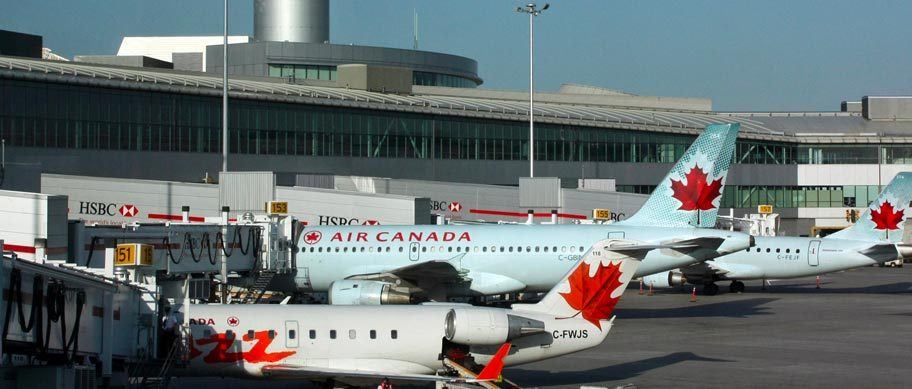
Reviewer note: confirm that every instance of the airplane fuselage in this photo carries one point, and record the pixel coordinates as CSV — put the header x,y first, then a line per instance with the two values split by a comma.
x,y
238,340
493,258
792,257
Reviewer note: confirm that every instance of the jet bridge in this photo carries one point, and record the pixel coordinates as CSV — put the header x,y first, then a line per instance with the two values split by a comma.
x,y
85,302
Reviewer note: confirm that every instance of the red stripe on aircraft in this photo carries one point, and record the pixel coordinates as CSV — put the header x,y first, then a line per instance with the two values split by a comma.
x,y
520,214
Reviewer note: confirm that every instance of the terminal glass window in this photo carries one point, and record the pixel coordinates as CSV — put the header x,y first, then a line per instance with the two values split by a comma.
x,y
303,72
51,115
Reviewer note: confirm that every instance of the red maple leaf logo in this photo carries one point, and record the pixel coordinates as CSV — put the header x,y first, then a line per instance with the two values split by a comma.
x,y
697,194
886,217
312,237
591,296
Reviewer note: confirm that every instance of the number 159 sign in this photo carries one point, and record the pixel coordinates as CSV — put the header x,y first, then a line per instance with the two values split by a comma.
x,y
133,254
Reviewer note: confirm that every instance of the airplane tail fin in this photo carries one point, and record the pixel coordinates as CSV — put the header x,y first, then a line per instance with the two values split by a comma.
x,y
592,288
689,195
883,219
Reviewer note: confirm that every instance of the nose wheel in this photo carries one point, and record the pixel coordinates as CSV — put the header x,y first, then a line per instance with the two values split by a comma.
x,y
710,289
736,287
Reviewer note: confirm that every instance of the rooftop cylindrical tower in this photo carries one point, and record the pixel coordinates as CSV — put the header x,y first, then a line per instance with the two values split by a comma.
x,y
305,21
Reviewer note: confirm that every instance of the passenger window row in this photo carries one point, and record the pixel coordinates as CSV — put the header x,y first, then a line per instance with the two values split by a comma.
x,y
352,334
778,250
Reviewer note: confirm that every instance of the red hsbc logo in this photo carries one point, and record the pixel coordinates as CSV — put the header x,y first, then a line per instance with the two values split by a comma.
x,y
455,207
313,237
370,223
128,210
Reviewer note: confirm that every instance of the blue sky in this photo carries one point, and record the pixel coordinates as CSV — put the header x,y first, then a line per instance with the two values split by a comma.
x,y
758,55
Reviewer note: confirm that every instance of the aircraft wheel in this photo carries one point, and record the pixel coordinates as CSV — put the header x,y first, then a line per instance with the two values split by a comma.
x,y
736,287
710,289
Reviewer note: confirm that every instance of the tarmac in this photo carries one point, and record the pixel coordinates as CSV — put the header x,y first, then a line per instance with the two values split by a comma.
x,y
852,332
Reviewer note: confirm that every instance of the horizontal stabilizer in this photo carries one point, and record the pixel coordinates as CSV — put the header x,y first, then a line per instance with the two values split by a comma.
x,y
881,252
684,246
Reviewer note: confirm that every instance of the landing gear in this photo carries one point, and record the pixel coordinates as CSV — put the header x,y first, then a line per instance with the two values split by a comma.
x,y
736,287
710,289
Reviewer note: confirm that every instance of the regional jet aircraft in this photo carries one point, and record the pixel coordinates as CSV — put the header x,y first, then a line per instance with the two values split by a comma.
x,y
429,342
402,264
874,238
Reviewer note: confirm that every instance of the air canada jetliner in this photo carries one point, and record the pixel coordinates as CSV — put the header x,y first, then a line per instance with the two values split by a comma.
x,y
874,238
403,264
429,342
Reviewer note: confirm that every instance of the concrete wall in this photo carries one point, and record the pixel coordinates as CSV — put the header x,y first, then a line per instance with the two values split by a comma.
x,y
33,224
115,201
251,58
491,203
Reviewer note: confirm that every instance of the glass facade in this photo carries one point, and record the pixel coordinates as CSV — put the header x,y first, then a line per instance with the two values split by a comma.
x,y
51,115
438,79
303,72
34,114
737,196
328,73
857,196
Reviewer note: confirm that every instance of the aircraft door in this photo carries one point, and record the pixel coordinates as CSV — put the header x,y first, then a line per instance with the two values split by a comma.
x,y
814,253
414,247
616,235
291,333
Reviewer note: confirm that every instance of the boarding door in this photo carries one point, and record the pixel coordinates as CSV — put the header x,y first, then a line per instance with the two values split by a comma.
x,y
291,333
814,253
414,247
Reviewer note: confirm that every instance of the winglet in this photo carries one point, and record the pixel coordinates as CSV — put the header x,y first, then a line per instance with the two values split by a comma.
x,y
492,370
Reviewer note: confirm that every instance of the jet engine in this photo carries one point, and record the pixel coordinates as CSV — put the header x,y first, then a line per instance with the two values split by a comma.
x,y
665,279
484,327
363,292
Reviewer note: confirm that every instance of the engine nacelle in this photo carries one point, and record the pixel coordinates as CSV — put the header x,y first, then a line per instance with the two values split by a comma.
x,y
484,327
665,279
905,251
363,292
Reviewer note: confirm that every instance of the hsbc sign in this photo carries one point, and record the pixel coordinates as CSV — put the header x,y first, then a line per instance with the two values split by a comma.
x,y
345,221
446,206
107,209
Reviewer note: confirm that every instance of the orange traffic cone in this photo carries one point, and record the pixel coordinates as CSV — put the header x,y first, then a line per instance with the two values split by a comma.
x,y
818,282
693,295
641,286
650,293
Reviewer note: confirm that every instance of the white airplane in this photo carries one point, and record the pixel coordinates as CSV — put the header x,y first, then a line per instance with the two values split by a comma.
x,y
874,238
401,264
428,342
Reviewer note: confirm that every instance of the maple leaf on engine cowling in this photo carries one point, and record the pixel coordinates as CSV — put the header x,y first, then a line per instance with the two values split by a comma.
x,y
591,296
697,194
886,217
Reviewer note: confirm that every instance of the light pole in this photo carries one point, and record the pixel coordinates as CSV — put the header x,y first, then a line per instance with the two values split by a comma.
x,y
533,11
225,94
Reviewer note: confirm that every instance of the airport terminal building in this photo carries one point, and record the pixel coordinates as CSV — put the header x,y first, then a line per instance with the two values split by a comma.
x,y
157,124
303,107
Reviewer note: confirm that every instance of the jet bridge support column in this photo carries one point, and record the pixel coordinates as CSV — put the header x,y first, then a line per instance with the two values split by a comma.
x,y
224,268
107,324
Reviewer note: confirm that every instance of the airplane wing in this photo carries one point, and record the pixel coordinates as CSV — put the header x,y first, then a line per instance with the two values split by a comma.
x,y
438,270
